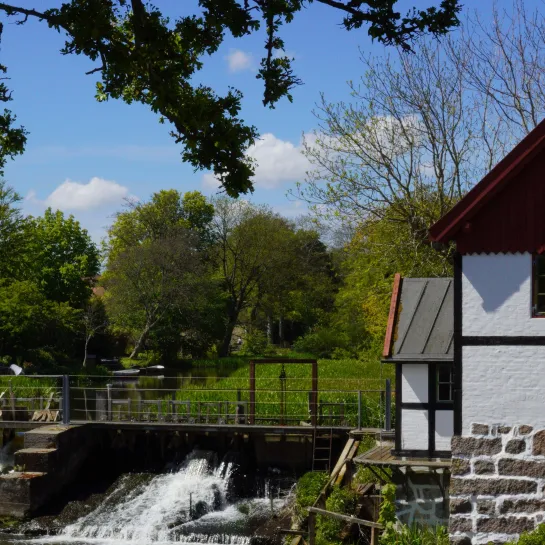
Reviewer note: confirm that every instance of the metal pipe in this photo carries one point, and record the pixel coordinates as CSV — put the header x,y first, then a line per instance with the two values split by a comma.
x,y
65,400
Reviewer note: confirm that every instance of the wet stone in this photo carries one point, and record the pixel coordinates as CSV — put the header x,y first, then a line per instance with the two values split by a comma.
x,y
515,446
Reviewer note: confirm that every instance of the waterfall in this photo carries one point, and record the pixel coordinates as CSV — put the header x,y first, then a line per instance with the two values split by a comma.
x,y
188,506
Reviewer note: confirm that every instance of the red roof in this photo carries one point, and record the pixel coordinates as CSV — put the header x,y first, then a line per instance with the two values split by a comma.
x,y
505,211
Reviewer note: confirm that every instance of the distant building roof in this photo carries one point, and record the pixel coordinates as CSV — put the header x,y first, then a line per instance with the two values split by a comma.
x,y
421,321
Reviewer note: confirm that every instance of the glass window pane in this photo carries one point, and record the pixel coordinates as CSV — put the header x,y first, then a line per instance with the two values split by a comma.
x,y
540,264
444,373
541,284
444,392
541,303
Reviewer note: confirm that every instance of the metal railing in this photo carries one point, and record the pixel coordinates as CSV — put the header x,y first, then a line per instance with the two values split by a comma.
x,y
75,399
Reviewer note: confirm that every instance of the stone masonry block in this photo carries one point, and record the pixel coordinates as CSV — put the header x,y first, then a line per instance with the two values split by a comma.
x,y
505,525
491,487
460,540
480,429
525,430
37,460
504,429
484,467
460,467
522,506
460,524
521,468
515,446
475,446
459,506
539,443
486,507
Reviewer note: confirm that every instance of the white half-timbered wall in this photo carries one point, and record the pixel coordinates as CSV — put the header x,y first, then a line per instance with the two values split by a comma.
x,y
501,384
414,422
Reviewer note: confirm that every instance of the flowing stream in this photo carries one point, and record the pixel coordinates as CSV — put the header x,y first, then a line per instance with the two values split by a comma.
x,y
189,506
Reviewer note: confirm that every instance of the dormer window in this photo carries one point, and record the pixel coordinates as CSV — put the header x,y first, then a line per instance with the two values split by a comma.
x,y
538,304
444,383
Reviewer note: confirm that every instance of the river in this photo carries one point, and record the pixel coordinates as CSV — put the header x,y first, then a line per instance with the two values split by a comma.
x,y
191,505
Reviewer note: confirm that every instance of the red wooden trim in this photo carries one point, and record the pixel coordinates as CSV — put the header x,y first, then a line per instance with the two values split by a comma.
x,y
387,351
445,229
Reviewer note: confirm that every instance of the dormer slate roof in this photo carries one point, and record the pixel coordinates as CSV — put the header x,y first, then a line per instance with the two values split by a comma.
x,y
421,323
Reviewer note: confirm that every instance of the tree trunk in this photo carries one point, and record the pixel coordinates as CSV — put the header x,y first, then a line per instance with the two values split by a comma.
x,y
270,338
226,343
87,339
281,331
140,343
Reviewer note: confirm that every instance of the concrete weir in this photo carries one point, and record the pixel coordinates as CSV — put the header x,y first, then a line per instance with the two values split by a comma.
x,y
49,461
56,458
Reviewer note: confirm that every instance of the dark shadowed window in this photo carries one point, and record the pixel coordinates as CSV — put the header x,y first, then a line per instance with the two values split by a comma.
x,y
444,383
538,305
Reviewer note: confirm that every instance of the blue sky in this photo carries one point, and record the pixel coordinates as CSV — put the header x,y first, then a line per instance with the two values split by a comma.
x,y
86,157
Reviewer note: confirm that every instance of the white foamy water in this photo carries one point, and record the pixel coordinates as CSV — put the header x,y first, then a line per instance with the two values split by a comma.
x,y
149,513
143,510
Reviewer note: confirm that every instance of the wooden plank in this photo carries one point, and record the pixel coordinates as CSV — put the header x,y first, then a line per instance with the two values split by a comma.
x,y
346,518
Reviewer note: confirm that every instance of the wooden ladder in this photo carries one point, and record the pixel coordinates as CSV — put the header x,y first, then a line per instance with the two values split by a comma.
x,y
321,450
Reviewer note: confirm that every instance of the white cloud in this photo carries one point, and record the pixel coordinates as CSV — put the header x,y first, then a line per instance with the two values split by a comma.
x,y
276,163
238,61
97,193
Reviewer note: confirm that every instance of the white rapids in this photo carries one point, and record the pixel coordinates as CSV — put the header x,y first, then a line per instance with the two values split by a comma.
x,y
157,511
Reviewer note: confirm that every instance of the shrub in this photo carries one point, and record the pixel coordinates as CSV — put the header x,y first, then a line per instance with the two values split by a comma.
x,y
324,342
537,537
341,500
308,488
256,344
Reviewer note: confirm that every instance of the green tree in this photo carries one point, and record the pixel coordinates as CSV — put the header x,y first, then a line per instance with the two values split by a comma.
x,y
143,57
166,213
251,246
64,259
149,282
13,242
12,139
32,326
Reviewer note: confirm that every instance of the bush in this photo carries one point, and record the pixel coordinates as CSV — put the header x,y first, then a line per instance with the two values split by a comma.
x,y
324,342
256,344
308,488
537,537
341,500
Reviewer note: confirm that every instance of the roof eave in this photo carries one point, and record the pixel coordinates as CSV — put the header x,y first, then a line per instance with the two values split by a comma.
x,y
445,229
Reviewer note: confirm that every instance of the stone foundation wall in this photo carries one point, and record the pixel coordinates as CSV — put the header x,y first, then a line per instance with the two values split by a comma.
x,y
422,497
497,489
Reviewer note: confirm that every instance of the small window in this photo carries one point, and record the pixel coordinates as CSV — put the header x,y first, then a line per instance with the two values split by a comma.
x,y
444,383
538,304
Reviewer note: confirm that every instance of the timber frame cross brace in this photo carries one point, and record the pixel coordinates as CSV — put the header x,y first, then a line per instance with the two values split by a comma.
x,y
286,361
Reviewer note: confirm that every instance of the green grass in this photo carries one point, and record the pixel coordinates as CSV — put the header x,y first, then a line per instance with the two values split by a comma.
x,y
214,395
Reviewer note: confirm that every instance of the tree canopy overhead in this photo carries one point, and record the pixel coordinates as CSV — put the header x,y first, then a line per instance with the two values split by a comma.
x,y
144,57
